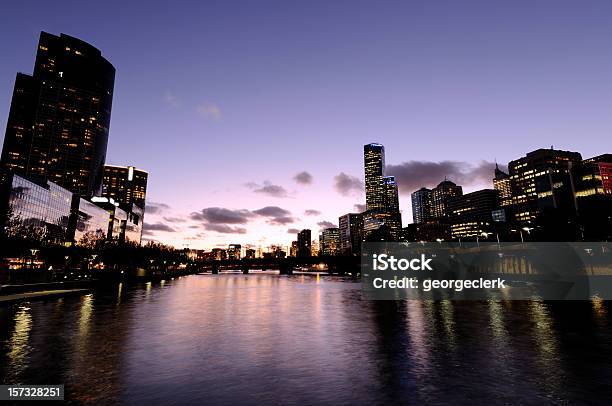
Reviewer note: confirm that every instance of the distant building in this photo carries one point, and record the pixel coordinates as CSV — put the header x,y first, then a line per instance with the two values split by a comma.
x,y
218,254
304,243
421,207
374,219
440,196
249,253
234,251
125,184
351,233
391,203
293,251
58,123
329,241
471,215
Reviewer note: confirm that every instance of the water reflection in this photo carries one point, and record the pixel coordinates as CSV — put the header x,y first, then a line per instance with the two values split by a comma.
x,y
304,339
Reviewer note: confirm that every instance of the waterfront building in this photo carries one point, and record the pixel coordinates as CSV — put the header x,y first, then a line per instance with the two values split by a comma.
x,y
375,219
351,233
471,215
127,185
249,253
35,209
421,209
58,123
304,243
234,251
329,241
293,250
541,180
503,185
89,222
391,196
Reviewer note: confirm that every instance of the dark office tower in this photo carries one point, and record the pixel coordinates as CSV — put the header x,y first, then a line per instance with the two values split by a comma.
x,y
351,233
439,198
57,129
501,183
471,215
421,210
126,185
374,159
391,194
304,243
541,180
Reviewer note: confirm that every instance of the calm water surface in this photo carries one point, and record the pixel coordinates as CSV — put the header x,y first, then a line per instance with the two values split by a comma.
x,y
246,339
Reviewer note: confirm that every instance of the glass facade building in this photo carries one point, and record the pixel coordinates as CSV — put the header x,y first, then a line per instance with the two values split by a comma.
x,y
41,210
58,123
421,211
439,198
90,222
329,241
351,233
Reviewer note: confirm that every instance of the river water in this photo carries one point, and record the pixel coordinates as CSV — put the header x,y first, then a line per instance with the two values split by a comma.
x,y
264,338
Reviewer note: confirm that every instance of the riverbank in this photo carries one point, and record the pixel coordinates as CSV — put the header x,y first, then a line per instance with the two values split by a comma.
x,y
45,294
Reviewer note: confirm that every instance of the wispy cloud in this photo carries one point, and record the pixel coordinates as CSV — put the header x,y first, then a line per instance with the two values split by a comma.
x,y
293,231
326,224
359,207
159,226
312,212
268,188
347,185
208,110
156,208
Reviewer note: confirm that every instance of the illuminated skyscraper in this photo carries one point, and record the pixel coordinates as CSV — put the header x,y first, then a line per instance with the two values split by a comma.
x,y
329,241
126,185
421,209
374,159
58,124
391,202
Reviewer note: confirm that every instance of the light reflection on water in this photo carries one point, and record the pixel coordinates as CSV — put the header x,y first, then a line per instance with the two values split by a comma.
x,y
304,339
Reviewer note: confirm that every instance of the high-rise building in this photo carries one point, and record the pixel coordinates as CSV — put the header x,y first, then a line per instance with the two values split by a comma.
x,y
304,243
351,233
374,160
470,215
329,241
58,123
391,203
539,180
503,185
125,184
593,176
421,209
439,198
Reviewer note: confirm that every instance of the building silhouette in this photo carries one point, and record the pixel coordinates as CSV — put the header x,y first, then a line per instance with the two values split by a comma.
x,y
351,233
58,123
304,243
439,198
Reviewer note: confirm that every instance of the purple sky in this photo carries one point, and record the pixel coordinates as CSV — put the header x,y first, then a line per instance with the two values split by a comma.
x,y
224,101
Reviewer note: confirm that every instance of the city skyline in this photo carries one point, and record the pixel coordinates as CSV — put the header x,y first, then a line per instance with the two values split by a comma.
x,y
232,145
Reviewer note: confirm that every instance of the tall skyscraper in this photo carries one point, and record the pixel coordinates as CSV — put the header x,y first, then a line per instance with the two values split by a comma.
x,y
391,202
421,209
126,185
58,124
439,198
374,159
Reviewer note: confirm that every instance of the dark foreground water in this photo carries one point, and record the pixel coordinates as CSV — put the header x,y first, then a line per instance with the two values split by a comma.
x,y
261,339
